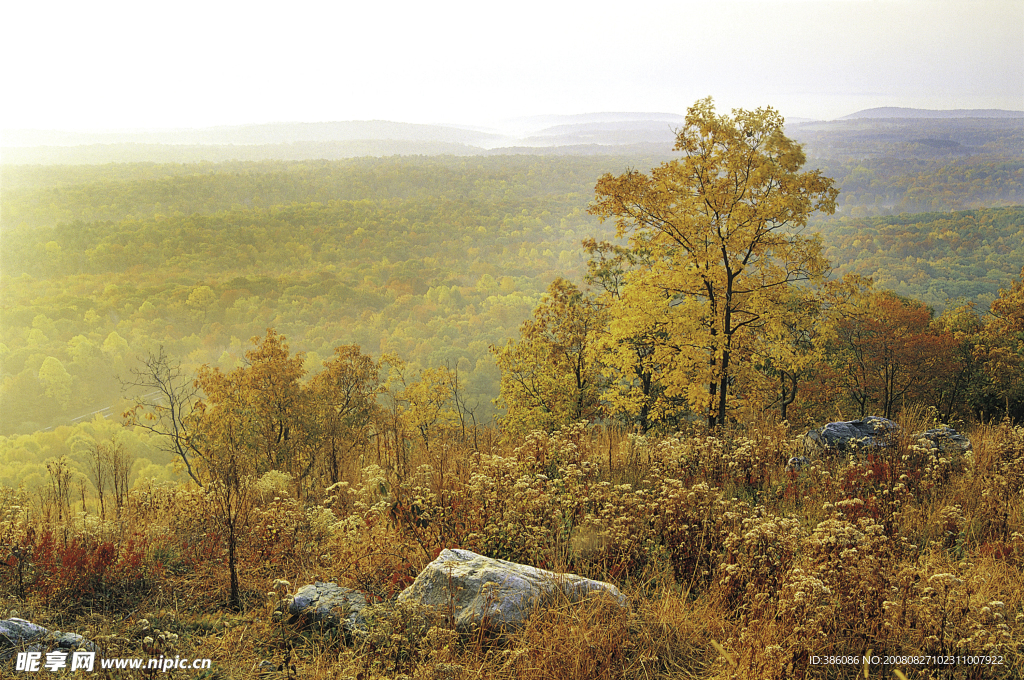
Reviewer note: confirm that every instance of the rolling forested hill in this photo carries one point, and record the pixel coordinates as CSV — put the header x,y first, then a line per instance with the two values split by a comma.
x,y
434,259
933,257
431,258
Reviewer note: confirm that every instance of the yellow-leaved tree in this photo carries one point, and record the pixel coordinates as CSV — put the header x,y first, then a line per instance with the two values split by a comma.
x,y
252,420
551,376
718,252
1003,351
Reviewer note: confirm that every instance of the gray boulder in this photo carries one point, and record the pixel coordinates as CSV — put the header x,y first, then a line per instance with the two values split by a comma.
x,y
19,635
871,432
477,590
945,439
329,604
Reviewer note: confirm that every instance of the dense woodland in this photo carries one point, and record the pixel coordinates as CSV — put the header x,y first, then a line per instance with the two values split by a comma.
x,y
432,259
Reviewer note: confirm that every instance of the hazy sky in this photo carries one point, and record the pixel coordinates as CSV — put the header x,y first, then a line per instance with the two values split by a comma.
x,y
108,64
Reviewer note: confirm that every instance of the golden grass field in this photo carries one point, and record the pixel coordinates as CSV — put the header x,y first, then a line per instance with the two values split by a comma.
x,y
736,568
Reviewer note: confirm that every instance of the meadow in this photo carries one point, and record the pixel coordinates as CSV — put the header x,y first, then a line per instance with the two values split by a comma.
x,y
735,567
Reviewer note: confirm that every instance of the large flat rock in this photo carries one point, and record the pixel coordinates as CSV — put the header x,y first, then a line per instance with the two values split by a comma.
x,y
477,590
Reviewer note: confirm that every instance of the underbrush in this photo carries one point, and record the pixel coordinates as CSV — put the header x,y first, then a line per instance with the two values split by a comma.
x,y
735,566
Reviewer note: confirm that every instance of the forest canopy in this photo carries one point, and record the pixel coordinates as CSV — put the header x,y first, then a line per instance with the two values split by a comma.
x,y
433,259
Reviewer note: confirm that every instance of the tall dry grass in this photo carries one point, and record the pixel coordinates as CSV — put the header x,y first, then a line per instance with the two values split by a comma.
x,y
736,568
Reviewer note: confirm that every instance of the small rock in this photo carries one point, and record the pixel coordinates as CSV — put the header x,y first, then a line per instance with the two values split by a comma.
x,y
797,463
945,439
265,668
326,603
21,635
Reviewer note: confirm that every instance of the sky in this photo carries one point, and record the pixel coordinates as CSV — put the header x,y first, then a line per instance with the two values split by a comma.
x,y
113,65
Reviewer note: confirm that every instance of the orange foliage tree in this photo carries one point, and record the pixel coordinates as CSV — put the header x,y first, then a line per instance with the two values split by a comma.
x,y
887,354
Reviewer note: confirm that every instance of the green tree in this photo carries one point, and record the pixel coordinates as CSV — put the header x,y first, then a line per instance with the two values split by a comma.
x,y
199,302
719,235
114,345
56,381
551,377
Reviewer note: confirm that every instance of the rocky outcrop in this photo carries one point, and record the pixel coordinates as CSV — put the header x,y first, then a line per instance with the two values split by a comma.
x,y
475,590
871,432
19,635
944,439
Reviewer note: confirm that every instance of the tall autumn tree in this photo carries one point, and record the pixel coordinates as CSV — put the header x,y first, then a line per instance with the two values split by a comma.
x,y
551,376
1003,350
720,231
792,359
344,404
888,353
251,420
964,385
633,391
260,409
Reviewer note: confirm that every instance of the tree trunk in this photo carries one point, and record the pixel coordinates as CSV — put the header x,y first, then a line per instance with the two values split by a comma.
x,y
723,389
236,601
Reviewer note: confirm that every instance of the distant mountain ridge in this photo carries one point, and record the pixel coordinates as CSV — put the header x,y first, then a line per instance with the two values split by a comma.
x,y
266,133
900,112
583,134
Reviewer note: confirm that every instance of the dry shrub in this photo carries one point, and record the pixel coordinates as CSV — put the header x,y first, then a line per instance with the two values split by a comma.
x,y
944,613
693,458
949,526
757,559
905,551
857,562
999,472
565,641
779,633
673,635
82,573
693,525
546,452
363,547
401,637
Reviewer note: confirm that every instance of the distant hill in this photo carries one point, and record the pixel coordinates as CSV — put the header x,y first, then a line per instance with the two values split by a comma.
x,y
268,133
98,154
917,132
583,134
900,112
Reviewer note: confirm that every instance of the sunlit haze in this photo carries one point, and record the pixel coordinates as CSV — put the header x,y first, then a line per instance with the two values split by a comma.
x,y
111,65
